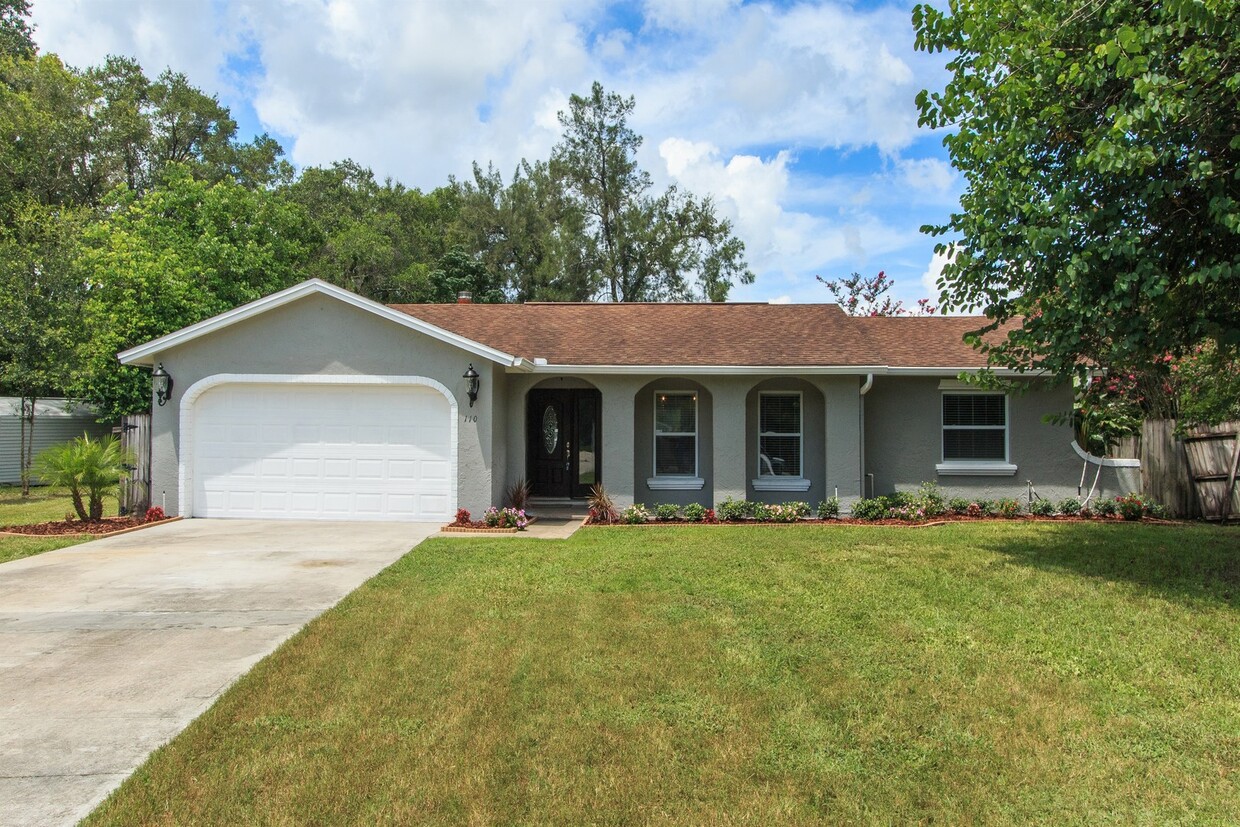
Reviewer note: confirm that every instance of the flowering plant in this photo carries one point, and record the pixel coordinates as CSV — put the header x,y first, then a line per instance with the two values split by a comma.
x,y
505,518
154,514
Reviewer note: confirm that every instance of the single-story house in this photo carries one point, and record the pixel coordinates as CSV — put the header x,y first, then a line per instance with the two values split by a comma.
x,y
315,402
55,421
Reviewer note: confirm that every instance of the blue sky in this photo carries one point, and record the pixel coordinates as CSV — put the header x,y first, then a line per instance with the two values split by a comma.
x,y
797,118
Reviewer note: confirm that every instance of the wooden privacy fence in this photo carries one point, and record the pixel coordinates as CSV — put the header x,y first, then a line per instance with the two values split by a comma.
x,y
136,486
1194,475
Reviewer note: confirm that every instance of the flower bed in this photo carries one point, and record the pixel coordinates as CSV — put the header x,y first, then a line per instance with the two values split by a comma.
x,y
494,521
98,528
927,506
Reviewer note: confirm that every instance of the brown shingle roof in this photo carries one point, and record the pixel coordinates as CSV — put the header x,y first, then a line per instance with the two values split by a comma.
x,y
761,335
924,341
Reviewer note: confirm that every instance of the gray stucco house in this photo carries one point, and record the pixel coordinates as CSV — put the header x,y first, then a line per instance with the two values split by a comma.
x,y
317,403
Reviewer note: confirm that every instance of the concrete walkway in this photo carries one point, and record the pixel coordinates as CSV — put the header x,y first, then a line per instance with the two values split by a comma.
x,y
110,648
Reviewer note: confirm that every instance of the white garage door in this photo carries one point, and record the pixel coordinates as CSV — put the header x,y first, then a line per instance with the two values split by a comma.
x,y
327,452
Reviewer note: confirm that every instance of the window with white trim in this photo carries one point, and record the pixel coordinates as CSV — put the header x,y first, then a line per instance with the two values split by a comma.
x,y
975,428
675,434
779,435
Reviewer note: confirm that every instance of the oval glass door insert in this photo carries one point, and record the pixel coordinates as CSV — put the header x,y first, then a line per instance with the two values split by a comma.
x,y
550,429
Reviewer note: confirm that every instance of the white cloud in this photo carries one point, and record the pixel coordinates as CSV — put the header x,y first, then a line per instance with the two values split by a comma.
x,y
687,14
182,35
781,300
928,175
930,278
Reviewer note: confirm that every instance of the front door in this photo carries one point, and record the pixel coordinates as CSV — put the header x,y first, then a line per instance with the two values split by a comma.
x,y
563,428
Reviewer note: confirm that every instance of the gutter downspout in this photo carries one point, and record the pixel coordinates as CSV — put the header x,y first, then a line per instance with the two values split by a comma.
x,y
865,388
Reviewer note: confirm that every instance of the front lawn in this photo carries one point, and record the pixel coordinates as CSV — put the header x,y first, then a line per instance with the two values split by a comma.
x,y
963,674
44,504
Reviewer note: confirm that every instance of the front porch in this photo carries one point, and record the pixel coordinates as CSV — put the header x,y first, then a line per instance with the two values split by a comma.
x,y
683,438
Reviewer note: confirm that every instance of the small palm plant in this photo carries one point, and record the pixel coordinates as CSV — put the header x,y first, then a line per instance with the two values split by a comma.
x,y
89,468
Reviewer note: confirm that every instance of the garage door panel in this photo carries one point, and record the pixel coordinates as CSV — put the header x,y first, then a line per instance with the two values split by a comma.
x,y
331,452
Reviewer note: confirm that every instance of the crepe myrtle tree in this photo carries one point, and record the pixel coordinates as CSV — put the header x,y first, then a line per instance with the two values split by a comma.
x,y
1100,146
860,295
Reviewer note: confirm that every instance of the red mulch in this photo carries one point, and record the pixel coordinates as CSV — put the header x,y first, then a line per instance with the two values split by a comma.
x,y
58,527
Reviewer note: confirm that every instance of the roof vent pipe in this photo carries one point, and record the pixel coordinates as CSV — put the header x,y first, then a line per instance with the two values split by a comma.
x,y
464,297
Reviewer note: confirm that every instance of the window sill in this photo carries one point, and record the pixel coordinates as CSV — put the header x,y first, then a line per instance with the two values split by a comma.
x,y
976,469
675,483
777,483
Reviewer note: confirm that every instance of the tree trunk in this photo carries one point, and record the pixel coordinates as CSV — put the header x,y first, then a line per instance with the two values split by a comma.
x,y
78,505
96,505
26,447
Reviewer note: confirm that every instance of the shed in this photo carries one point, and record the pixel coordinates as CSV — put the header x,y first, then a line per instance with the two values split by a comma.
x,y
55,421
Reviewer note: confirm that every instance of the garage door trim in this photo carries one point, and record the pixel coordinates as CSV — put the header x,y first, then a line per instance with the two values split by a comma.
x,y
185,470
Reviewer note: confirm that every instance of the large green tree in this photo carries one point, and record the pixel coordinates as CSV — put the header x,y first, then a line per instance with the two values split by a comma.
x,y
175,256
1100,144
642,245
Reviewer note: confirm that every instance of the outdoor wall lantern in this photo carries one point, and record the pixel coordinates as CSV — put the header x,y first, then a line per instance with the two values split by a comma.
x,y
162,383
473,378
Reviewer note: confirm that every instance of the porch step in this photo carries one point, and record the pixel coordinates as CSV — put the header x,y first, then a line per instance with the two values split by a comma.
x,y
556,507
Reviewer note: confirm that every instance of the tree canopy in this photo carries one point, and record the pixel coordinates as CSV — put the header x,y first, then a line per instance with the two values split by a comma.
x,y
644,246
1100,146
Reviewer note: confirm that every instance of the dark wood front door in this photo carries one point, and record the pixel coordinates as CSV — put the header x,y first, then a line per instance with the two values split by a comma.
x,y
563,429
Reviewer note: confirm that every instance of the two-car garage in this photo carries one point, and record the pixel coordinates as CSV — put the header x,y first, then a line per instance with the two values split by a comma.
x,y
319,450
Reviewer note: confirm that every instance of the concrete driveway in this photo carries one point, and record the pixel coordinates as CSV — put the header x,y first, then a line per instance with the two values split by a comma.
x,y
110,648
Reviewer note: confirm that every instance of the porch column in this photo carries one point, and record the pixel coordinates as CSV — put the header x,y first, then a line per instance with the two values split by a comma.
x,y
844,436
728,396
617,436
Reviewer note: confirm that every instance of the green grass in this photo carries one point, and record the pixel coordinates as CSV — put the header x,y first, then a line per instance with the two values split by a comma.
x,y
43,505
965,674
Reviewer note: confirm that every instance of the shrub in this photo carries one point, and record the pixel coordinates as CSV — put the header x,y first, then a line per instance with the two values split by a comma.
x,y
731,510
1106,508
87,467
462,517
787,512
710,516
897,499
1087,513
1132,506
930,499
1042,508
988,508
829,509
872,508
974,510
958,505
602,509
504,518
519,494
695,512
155,514
1008,508
908,513
1070,506
666,512
635,514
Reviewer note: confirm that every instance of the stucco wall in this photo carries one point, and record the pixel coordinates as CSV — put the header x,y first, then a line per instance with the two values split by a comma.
x,y
643,444
727,439
903,443
320,335
813,440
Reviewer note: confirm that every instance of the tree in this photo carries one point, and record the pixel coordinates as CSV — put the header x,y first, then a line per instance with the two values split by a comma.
x,y
862,296
90,467
1100,145
16,38
530,234
642,247
41,297
181,253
